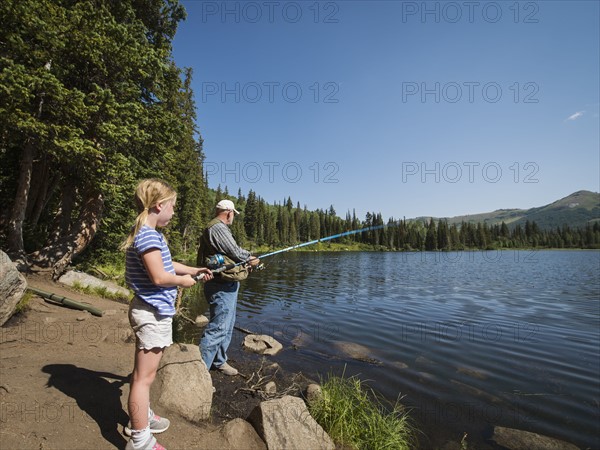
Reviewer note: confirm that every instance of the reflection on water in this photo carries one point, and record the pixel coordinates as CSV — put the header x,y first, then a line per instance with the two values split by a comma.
x,y
470,339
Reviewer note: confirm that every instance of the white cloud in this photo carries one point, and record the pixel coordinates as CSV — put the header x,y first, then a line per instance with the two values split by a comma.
x,y
575,116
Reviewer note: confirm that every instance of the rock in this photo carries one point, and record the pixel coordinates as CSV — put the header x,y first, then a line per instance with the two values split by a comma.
x,y
400,365
517,439
426,377
270,388
285,423
475,392
272,368
313,392
183,384
237,434
73,277
201,321
12,287
473,373
353,350
262,344
356,351
301,339
423,360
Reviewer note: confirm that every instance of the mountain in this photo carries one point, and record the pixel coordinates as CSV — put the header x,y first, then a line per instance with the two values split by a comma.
x,y
575,210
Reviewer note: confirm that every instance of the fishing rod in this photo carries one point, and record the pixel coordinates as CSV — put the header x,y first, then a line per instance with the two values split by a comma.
x,y
217,263
316,241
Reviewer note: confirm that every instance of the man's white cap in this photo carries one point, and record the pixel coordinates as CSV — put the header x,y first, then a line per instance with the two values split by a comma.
x,y
227,205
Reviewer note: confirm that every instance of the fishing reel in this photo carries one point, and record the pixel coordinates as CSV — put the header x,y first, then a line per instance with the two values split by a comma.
x,y
216,261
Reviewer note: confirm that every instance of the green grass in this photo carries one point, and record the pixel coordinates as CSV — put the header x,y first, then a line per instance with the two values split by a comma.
x,y
354,416
113,270
99,291
23,304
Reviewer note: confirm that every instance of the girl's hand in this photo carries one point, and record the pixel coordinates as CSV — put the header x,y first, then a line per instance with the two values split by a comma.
x,y
187,281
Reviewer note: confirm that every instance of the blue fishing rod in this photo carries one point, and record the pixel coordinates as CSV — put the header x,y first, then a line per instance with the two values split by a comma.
x,y
217,264
316,241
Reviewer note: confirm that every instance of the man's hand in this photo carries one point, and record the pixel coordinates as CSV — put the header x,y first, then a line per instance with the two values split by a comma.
x,y
253,261
203,274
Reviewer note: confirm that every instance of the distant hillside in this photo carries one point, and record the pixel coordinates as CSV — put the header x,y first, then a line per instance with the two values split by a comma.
x,y
575,210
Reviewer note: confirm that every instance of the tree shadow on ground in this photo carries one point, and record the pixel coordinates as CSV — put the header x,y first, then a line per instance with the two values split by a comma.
x,y
99,398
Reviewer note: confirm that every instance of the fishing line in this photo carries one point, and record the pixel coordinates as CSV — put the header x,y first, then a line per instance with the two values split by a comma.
x,y
218,265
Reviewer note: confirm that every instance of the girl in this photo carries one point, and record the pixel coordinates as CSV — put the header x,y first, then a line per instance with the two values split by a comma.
x,y
154,279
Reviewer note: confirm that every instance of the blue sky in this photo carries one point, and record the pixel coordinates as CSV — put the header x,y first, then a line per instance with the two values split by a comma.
x,y
400,107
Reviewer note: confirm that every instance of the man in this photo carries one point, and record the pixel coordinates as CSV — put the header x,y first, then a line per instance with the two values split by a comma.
x,y
221,292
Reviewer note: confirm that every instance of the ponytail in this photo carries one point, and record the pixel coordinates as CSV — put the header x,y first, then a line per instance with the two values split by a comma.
x,y
148,194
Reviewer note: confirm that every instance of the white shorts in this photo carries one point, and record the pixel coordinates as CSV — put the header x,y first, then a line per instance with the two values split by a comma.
x,y
151,329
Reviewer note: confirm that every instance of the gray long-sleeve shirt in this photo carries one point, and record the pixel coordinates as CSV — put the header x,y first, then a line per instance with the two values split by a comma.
x,y
222,240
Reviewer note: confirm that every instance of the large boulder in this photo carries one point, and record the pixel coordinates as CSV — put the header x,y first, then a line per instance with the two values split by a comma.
x,y
286,423
517,439
237,434
183,384
82,279
12,287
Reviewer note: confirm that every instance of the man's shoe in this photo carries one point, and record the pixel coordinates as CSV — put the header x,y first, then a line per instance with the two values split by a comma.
x,y
226,369
157,425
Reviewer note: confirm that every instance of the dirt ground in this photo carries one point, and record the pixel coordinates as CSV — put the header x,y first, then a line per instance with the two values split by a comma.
x,y
64,379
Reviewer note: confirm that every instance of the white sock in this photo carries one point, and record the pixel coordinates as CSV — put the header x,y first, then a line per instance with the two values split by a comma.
x,y
140,437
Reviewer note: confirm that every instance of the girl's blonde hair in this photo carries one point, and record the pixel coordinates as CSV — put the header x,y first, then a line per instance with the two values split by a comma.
x,y
148,194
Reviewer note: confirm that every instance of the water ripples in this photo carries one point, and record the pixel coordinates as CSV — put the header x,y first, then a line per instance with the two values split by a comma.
x,y
505,329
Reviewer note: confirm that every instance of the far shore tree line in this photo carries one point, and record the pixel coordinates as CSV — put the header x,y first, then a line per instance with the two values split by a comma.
x,y
284,224
91,102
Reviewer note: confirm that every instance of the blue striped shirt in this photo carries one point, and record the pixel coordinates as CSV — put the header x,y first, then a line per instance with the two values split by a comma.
x,y
136,276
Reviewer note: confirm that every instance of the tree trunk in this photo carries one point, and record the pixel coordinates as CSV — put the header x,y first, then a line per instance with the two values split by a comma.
x,y
61,225
42,185
15,223
42,201
60,254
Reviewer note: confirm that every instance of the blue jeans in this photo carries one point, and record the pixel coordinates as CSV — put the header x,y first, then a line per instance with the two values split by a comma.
x,y
222,300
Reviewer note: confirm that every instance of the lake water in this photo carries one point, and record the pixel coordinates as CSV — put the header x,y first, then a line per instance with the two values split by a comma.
x,y
468,339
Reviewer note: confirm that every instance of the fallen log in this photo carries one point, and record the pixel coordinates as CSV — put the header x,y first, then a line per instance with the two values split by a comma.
x,y
66,301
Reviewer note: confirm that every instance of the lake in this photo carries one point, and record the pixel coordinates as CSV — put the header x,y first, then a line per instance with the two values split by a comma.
x,y
469,340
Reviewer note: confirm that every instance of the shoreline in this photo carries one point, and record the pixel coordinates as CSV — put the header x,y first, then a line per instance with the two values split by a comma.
x,y
64,367
64,379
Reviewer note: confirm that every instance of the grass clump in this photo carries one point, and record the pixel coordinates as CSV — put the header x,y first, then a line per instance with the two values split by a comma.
x,y
355,416
23,304
99,291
